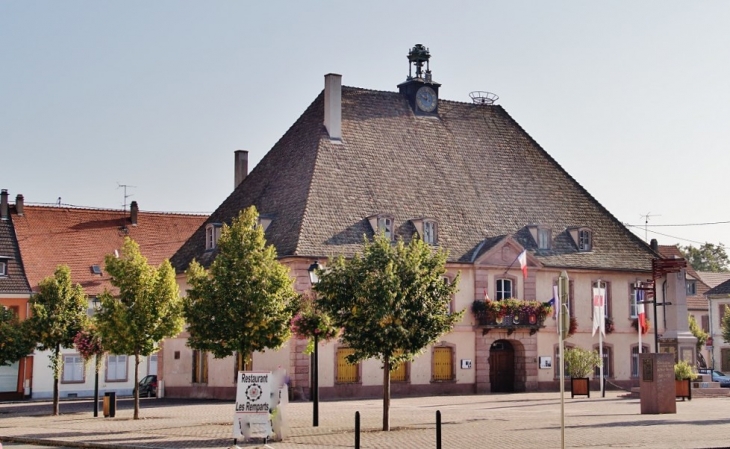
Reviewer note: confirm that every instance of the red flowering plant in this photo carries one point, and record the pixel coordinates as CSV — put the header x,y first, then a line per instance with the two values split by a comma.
x,y
88,343
310,322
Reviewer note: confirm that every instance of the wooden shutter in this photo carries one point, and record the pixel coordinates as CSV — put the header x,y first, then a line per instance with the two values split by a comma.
x,y
346,372
399,374
443,367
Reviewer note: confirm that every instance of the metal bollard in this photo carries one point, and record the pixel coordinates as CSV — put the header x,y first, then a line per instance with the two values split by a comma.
x,y
438,429
357,430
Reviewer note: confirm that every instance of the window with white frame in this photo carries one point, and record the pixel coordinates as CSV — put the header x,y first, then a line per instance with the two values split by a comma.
x,y
116,368
73,368
691,288
212,234
543,238
503,288
429,232
607,362
3,268
633,307
585,242
635,359
385,225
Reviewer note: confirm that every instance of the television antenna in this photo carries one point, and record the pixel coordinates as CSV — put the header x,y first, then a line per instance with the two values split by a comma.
x,y
646,224
125,186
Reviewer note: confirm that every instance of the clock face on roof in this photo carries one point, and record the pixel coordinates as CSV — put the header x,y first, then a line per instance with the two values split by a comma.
x,y
426,99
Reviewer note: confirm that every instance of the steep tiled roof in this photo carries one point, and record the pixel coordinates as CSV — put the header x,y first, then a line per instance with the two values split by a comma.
x,y
473,169
720,290
80,238
713,279
15,281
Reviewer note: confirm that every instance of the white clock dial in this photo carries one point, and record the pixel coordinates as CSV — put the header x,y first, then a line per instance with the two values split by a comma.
x,y
426,99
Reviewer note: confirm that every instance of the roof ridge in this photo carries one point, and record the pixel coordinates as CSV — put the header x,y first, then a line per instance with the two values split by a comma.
x,y
49,206
591,198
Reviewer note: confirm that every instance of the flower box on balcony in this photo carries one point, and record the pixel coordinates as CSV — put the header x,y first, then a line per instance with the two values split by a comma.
x,y
511,314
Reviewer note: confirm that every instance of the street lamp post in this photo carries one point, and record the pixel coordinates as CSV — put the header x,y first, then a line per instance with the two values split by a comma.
x,y
97,306
314,279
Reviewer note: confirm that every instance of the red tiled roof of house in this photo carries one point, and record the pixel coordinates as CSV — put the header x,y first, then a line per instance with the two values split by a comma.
x,y
81,238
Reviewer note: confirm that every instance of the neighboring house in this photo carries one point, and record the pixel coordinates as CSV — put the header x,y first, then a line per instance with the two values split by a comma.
x,y
15,380
463,177
697,288
50,236
719,298
714,278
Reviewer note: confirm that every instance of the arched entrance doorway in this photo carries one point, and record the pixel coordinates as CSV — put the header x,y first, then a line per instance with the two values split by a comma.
x,y
502,367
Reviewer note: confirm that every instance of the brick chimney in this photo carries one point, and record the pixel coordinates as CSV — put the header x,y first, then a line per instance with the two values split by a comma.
x,y
333,105
4,204
240,167
19,204
133,213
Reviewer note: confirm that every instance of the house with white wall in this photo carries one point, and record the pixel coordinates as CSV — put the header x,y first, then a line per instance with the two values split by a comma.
x,y
49,236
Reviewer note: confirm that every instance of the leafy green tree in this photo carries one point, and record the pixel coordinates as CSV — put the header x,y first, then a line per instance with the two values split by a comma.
x,y
391,303
707,257
144,308
697,331
245,302
59,313
725,325
15,341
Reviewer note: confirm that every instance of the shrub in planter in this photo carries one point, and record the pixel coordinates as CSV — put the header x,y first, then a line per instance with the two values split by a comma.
x,y
683,371
684,374
581,362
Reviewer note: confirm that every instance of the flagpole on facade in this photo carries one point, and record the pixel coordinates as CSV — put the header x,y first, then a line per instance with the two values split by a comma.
x,y
601,324
638,321
563,321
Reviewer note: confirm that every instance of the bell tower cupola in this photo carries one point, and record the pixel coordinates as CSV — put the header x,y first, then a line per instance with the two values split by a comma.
x,y
420,90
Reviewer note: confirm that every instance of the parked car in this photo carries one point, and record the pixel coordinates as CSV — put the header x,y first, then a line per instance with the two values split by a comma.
x,y
148,386
717,376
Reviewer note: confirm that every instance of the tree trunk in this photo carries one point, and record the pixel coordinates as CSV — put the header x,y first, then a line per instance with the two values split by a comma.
x,y
56,372
136,384
386,393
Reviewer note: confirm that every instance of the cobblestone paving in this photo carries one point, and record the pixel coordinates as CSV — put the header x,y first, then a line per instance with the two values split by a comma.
x,y
524,420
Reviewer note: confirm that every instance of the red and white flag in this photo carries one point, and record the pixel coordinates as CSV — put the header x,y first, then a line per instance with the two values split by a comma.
x,y
523,262
599,320
640,311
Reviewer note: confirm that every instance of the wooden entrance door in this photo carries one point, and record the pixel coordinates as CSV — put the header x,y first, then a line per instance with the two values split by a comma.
x,y
502,367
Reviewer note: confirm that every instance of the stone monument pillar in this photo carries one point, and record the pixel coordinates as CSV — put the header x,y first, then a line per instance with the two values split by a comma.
x,y
677,338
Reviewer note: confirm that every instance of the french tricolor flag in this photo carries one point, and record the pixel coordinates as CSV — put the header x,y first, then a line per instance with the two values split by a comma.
x,y
523,262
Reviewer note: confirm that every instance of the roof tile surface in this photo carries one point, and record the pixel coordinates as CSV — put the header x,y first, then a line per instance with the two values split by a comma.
x,y
473,169
80,238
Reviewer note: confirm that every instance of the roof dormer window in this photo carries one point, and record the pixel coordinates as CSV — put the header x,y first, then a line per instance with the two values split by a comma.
x,y
265,221
582,237
541,235
3,268
585,240
212,234
543,238
382,223
429,232
427,229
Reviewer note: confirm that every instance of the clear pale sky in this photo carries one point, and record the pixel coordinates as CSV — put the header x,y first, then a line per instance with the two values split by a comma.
x,y
631,98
